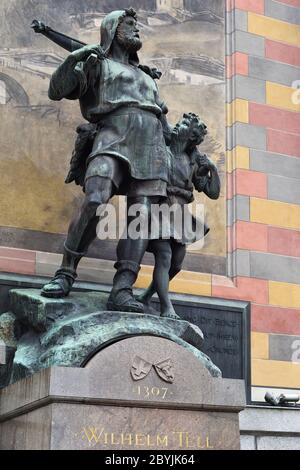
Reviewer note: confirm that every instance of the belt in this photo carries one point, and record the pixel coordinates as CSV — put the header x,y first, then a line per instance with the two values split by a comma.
x,y
123,110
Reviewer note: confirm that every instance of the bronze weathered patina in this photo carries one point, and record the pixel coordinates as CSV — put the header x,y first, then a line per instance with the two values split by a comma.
x,y
127,147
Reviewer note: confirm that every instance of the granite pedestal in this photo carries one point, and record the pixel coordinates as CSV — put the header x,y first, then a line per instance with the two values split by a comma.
x,y
142,392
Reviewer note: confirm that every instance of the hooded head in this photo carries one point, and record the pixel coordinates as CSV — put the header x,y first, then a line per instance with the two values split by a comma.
x,y
109,28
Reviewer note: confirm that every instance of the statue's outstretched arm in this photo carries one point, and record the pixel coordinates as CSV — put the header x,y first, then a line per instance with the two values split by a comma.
x,y
66,42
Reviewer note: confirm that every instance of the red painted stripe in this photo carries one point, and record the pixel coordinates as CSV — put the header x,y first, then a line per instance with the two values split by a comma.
x,y
20,266
15,260
273,118
237,64
251,236
283,142
229,188
267,319
17,253
283,241
248,289
257,6
282,52
251,183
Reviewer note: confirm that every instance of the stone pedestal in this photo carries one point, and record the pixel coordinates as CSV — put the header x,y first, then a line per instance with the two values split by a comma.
x,y
142,392
67,332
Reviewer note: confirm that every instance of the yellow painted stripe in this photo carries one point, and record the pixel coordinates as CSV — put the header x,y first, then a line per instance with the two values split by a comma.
x,y
184,283
280,214
259,345
242,157
284,294
239,157
229,160
275,373
274,29
281,96
237,110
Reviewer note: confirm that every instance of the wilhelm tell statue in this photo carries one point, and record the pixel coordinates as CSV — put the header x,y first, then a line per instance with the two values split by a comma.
x,y
127,148
128,154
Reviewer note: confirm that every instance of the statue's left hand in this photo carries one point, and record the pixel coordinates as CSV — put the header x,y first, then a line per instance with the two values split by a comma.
x,y
83,53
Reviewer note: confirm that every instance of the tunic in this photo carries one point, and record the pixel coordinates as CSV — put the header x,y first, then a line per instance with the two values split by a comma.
x,y
124,103
182,180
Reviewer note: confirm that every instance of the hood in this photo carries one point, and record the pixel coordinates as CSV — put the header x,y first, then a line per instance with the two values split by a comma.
x,y
108,30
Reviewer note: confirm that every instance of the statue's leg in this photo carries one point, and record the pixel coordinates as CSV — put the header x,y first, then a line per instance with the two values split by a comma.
x,y
146,296
130,253
81,233
163,256
178,255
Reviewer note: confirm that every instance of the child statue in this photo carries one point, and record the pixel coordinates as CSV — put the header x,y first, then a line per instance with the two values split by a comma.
x,y
189,169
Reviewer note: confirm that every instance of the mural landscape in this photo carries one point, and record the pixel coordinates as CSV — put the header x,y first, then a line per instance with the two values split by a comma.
x,y
183,38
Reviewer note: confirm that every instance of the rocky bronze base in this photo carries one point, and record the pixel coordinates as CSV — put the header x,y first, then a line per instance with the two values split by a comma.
x,y
67,332
139,393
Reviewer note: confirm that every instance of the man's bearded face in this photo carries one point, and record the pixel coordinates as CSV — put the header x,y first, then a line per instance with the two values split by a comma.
x,y
128,35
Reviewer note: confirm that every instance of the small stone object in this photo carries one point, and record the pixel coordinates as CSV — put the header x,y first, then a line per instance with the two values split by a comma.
x,y
282,399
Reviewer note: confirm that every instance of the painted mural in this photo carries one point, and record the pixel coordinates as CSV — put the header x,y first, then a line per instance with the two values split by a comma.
x,y
183,38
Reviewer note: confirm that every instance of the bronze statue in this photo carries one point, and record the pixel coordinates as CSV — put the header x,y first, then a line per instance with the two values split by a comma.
x,y
120,100
123,149
189,169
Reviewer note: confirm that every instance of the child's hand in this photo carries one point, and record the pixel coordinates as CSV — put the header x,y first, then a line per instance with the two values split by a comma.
x,y
203,163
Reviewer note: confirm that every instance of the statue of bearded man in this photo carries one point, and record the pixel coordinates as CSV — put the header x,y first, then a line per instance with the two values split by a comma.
x,y
129,154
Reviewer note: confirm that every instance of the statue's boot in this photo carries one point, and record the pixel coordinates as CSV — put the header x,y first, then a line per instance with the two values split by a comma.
x,y
121,297
63,280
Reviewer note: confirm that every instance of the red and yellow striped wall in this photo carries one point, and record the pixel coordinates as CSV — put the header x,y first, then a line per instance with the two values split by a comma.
x,y
263,191
263,165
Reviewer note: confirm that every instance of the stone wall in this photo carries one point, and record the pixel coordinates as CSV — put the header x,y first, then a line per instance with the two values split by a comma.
x,y
265,428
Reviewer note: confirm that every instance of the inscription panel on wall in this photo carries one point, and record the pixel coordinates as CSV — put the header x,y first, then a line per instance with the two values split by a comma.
x,y
226,335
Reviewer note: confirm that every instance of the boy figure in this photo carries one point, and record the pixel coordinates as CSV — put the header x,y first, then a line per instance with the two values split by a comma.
x,y
188,169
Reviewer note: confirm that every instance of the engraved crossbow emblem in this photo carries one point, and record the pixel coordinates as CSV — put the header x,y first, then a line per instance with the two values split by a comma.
x,y
141,368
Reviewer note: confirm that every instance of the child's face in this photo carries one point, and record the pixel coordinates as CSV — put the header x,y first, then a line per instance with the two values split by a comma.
x,y
189,131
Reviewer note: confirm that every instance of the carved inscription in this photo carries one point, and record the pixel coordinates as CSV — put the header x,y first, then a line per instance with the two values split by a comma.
x,y
152,392
224,336
99,436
